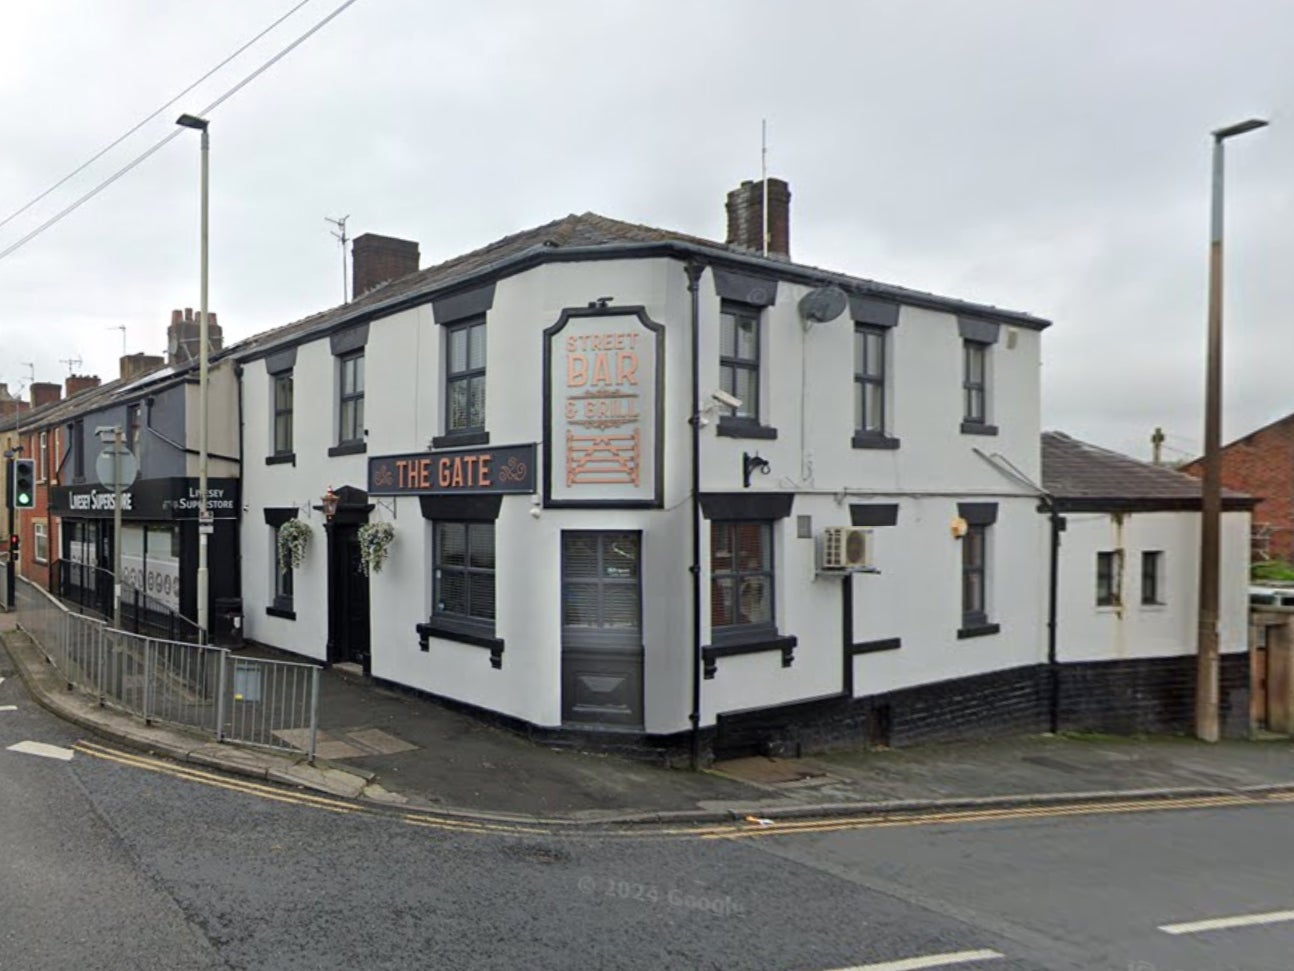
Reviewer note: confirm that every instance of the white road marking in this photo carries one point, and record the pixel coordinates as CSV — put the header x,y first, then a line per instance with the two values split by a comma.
x,y
8,707
1222,923
929,961
40,748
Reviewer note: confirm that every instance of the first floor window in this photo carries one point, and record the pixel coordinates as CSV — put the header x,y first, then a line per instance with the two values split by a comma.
x,y
283,414
465,378
741,578
282,576
975,576
351,399
869,380
464,572
1152,562
40,542
975,381
739,358
1109,579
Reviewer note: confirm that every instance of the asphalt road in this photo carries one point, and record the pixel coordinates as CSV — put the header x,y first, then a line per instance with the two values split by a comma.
x,y
112,861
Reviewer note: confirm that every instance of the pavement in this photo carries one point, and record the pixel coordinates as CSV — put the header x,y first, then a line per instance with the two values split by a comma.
x,y
384,746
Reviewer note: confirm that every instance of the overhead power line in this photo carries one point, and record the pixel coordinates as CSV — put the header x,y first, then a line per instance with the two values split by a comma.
x,y
144,121
63,213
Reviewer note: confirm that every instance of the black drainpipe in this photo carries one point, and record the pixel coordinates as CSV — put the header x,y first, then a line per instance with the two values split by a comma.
x,y
238,522
694,271
1053,586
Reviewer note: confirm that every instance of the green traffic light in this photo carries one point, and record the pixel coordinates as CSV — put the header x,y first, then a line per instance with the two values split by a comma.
x,y
24,499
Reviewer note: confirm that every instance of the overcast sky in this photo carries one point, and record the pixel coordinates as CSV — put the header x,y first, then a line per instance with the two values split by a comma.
x,y
1051,157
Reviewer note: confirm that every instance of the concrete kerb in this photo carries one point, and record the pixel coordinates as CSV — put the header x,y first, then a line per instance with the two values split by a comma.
x,y
359,786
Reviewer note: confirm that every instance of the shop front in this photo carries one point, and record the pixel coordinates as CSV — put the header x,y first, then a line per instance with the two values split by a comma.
x,y
159,543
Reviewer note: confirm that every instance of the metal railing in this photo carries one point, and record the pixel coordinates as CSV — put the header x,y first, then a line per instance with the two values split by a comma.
x,y
90,589
249,700
4,584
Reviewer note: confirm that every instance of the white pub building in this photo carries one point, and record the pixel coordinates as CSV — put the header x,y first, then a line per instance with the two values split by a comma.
x,y
669,491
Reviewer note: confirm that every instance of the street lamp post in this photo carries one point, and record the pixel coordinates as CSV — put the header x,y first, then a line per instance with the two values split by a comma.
x,y
204,515
1206,680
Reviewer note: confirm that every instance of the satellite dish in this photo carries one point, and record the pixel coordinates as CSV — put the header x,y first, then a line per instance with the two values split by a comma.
x,y
821,305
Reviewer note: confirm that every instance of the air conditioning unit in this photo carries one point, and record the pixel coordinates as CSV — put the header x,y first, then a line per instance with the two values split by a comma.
x,y
845,548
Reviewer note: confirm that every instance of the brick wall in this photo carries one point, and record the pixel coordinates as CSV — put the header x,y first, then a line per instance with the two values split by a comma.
x,y
1262,464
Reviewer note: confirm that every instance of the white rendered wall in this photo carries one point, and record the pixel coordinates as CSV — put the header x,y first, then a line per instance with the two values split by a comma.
x,y
1087,632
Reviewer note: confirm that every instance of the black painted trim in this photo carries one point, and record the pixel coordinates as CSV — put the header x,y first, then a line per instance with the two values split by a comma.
x,y
978,428
348,448
873,514
280,612
276,516
352,339
280,362
283,458
746,505
979,630
730,426
1147,504
460,439
871,440
747,288
711,653
873,312
454,307
872,647
440,630
978,330
479,508
978,513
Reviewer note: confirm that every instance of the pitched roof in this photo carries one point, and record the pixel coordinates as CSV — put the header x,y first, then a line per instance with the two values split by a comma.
x,y
1082,476
573,234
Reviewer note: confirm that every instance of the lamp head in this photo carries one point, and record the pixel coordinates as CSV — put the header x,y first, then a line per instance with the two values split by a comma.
x,y
192,121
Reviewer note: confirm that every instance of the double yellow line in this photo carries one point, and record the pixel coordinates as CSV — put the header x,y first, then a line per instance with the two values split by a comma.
x,y
744,829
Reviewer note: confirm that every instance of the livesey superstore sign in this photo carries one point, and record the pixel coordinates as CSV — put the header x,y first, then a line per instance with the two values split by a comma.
x,y
170,498
506,468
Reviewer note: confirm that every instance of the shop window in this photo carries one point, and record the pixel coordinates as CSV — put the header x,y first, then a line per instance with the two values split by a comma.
x,y
601,589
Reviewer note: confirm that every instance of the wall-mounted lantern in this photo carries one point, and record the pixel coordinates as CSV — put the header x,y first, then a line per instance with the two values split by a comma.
x,y
329,503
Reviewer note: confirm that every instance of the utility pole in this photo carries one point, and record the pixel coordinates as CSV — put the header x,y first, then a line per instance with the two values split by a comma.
x,y
340,236
1157,446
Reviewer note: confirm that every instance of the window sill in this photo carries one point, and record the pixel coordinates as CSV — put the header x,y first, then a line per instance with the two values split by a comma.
x,y
979,630
1155,607
281,458
711,653
460,439
280,612
730,427
978,428
451,632
873,647
348,448
872,440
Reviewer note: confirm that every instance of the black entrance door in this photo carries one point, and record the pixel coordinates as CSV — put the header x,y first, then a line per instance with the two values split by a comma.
x,y
602,645
348,626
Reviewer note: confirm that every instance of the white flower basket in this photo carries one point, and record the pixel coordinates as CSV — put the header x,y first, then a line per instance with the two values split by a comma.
x,y
294,537
374,542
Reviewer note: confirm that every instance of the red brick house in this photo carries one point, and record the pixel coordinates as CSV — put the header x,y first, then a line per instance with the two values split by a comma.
x,y
1262,464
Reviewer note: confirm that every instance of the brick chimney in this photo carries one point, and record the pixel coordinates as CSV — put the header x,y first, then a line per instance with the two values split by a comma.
x,y
746,217
380,259
183,337
44,393
9,405
76,383
137,365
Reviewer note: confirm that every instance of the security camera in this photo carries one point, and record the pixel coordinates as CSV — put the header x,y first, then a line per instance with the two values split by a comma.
x,y
721,396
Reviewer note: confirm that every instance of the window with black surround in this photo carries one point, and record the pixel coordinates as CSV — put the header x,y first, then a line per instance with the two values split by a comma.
x,y
1109,578
283,413
975,556
874,320
350,399
465,377
739,359
1152,565
282,577
463,577
978,338
281,580
743,616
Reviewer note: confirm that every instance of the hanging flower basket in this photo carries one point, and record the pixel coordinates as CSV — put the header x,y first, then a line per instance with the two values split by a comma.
x,y
374,542
294,537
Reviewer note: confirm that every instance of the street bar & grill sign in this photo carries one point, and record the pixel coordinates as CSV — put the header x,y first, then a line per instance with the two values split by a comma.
x,y
504,469
603,381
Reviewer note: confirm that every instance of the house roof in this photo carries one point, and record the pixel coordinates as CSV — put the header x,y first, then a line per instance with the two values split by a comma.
x,y
585,236
1079,476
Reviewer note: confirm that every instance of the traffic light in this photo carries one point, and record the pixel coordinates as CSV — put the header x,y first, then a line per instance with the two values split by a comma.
x,y
13,548
24,483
